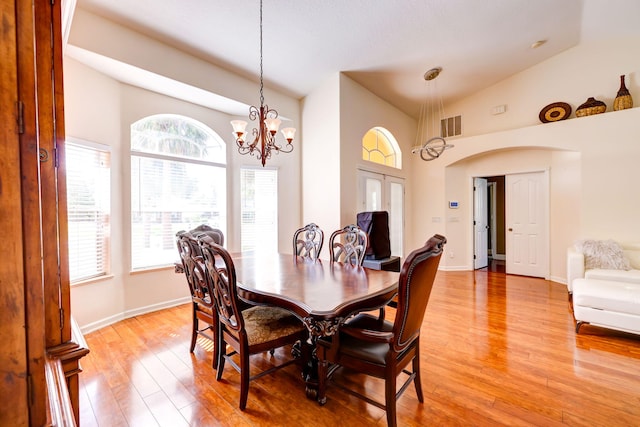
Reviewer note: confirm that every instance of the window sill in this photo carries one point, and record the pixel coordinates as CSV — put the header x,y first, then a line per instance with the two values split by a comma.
x,y
152,269
92,280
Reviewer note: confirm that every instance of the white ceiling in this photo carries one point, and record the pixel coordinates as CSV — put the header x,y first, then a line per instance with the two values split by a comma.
x,y
385,45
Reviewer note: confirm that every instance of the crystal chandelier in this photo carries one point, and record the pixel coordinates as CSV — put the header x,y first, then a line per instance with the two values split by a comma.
x,y
264,135
429,123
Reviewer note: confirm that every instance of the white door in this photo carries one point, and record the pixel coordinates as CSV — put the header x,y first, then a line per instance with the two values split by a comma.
x,y
378,192
526,220
480,223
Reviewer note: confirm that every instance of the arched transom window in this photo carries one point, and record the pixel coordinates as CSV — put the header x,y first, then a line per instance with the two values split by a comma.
x,y
379,146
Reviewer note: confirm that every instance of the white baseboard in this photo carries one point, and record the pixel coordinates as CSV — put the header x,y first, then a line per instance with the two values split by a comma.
x,y
99,324
499,257
94,326
455,268
562,280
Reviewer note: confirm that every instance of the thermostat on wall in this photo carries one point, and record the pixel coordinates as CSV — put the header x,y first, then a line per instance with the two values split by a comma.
x,y
453,204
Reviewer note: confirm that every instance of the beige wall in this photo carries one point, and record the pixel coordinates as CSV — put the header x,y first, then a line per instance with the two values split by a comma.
x,y
360,110
321,157
589,181
101,109
591,165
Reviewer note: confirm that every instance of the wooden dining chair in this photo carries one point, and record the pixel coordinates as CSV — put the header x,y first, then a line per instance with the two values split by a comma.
x,y
307,242
348,245
382,349
246,332
204,315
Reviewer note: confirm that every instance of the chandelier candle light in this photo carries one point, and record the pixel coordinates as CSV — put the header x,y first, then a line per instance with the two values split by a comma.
x,y
431,116
264,136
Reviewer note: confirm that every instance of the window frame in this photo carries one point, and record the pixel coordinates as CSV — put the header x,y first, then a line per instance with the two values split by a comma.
x,y
218,168
389,140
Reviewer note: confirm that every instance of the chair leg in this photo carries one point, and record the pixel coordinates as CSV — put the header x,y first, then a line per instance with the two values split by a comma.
x,y
194,331
390,397
216,340
222,352
244,378
416,380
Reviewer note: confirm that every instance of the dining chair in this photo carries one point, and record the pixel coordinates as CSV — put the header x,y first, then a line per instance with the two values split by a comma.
x,y
380,348
201,291
307,242
245,332
348,245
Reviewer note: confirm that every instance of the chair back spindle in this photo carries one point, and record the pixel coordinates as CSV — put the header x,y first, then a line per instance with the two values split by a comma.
x,y
307,242
348,245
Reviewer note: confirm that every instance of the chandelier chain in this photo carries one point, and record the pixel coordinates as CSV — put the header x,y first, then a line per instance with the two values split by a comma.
x,y
261,82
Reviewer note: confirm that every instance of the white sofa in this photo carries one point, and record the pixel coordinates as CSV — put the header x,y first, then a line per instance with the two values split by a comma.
x,y
603,278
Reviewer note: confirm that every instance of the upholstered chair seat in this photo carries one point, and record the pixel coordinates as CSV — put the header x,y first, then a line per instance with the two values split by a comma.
x,y
265,324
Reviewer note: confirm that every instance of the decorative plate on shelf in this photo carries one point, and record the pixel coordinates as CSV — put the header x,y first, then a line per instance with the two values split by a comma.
x,y
555,112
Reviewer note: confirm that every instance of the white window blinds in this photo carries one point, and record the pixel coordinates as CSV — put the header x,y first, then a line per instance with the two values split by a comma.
x,y
88,208
259,210
168,196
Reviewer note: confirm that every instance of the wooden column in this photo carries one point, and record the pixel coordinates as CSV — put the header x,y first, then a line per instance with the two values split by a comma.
x,y
14,409
36,339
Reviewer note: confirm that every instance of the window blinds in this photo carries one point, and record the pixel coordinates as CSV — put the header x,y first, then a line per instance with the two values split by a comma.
x,y
259,210
88,208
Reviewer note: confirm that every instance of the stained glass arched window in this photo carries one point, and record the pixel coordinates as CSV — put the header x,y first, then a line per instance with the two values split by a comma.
x,y
379,146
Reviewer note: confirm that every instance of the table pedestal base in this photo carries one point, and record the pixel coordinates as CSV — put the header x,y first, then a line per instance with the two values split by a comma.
x,y
306,352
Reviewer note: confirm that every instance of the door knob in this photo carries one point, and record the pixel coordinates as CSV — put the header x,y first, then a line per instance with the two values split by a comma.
x,y
511,229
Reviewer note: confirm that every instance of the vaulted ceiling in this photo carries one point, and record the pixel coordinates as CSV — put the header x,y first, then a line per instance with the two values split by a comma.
x,y
384,45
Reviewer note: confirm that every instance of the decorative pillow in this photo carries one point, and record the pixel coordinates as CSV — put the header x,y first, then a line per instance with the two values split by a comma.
x,y
606,254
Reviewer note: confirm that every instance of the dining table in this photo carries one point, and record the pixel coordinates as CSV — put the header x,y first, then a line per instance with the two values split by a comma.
x,y
322,294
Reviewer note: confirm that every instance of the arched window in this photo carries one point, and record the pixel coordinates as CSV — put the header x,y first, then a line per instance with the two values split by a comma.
x,y
379,146
178,181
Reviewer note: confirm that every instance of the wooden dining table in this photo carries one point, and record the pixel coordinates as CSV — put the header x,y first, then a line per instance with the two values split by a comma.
x,y
322,294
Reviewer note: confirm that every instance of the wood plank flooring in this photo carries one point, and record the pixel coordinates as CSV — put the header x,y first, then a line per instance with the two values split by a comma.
x,y
495,350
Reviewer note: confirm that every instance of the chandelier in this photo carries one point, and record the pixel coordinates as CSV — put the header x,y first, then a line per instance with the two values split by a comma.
x,y
429,123
264,135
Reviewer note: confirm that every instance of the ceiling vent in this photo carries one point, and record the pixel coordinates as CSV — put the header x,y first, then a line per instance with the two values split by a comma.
x,y
451,126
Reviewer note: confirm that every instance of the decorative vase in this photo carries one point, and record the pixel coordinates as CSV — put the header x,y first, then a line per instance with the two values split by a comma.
x,y
590,107
623,98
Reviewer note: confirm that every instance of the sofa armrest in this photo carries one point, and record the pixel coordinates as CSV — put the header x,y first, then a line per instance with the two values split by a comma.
x,y
575,266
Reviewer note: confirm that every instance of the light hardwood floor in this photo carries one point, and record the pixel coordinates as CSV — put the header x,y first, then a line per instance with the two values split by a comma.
x,y
495,350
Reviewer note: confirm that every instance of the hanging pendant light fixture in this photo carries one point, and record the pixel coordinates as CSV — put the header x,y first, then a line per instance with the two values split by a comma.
x,y
264,135
429,140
